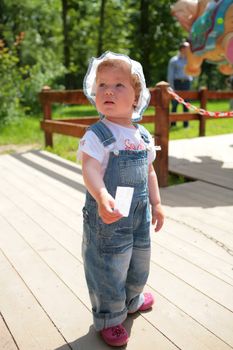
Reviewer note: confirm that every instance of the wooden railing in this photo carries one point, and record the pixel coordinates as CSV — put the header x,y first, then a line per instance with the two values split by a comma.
x,y
160,100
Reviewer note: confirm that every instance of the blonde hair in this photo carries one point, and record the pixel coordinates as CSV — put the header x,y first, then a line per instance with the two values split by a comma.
x,y
118,63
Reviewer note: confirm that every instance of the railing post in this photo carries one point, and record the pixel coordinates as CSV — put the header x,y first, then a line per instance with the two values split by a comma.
x,y
203,102
162,99
47,114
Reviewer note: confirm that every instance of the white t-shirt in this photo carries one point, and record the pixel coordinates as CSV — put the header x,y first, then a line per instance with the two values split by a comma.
x,y
126,139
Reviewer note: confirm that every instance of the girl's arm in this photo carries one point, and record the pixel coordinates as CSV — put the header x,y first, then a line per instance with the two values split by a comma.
x,y
155,201
93,180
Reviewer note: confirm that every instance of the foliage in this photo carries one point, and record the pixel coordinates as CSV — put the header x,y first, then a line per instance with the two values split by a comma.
x,y
157,38
217,82
49,42
11,86
29,56
142,29
84,19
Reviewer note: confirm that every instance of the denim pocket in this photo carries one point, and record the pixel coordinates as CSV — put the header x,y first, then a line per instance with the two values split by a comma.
x,y
115,238
133,172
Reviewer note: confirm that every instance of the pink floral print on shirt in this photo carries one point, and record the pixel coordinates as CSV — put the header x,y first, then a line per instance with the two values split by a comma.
x,y
131,146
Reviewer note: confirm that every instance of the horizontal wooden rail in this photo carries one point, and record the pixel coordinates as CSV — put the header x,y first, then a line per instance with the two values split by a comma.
x,y
64,128
75,97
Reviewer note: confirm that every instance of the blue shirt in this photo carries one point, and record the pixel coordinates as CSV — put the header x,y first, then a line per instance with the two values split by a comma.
x,y
176,70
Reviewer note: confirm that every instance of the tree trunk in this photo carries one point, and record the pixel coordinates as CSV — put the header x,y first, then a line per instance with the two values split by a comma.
x,y
144,38
66,48
101,27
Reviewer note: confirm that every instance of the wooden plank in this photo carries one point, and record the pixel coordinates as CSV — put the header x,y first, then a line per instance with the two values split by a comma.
x,y
49,249
215,318
29,324
182,329
71,179
208,159
59,168
83,120
210,231
173,117
63,96
73,204
70,129
203,207
216,95
196,238
203,281
50,223
6,340
202,221
30,171
70,316
200,195
35,209
200,171
73,277
55,256
200,307
58,211
194,254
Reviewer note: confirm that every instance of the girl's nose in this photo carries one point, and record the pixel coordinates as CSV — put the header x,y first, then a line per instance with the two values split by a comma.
x,y
109,91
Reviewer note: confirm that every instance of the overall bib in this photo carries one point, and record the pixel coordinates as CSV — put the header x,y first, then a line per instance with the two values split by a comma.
x,y
117,256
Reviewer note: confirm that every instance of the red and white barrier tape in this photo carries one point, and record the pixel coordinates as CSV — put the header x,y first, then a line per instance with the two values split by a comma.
x,y
196,109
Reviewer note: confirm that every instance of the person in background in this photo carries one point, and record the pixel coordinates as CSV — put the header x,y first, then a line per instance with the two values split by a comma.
x,y
177,78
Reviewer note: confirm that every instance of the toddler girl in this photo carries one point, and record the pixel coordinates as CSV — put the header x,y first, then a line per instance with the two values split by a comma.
x,y
115,153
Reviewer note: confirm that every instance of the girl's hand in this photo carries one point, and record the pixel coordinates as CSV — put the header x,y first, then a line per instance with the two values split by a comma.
x,y
106,210
157,216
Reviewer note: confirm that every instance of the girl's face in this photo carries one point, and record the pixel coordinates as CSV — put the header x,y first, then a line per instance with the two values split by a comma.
x,y
115,95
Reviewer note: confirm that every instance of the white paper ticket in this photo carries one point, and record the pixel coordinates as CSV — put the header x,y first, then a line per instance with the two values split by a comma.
x,y
123,199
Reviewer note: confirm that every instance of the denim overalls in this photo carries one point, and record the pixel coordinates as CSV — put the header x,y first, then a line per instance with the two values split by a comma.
x,y
117,256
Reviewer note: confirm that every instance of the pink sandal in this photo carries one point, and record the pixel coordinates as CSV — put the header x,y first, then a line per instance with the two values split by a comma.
x,y
115,336
148,302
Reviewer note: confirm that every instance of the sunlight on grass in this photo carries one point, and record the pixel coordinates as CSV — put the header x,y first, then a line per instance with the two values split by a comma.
x,y
65,147
23,131
73,111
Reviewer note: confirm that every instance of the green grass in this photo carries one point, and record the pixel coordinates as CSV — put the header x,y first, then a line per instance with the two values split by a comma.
x,y
22,132
27,130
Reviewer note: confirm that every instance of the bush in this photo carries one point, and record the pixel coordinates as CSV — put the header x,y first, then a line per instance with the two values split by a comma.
x,y
11,86
20,84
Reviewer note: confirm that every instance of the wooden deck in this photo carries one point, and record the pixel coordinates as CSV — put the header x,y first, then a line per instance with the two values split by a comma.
x,y
209,159
44,301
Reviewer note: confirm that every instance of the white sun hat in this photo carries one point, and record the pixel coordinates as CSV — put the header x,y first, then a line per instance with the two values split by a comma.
x,y
89,83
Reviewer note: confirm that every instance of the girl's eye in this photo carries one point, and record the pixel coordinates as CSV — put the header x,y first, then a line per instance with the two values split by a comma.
x,y
119,85
101,85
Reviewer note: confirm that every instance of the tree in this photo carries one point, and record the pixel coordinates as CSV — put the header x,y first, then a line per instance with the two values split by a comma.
x,y
31,37
154,38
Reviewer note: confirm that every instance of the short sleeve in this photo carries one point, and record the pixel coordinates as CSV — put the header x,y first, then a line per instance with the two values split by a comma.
x,y
152,151
91,145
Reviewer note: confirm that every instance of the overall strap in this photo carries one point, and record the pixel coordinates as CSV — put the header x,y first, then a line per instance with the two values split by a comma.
x,y
143,133
103,133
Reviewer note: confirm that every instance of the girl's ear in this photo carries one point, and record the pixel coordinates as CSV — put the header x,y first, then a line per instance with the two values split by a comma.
x,y
135,102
